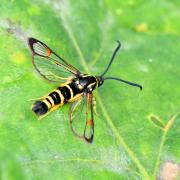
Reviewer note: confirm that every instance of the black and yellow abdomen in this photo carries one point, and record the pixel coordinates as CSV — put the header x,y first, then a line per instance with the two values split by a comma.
x,y
68,92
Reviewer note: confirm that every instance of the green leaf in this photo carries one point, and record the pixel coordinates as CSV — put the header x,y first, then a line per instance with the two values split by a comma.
x,y
126,145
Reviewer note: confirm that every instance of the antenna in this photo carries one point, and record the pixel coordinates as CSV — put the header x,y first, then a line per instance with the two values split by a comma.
x,y
124,81
112,58
114,78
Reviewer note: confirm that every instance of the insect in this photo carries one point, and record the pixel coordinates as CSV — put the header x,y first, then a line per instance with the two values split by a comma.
x,y
75,88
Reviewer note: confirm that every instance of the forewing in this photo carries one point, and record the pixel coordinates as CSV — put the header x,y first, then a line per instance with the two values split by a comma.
x,y
50,65
81,117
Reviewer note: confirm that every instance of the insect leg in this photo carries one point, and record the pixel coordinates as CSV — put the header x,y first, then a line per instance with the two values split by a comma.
x,y
35,99
94,105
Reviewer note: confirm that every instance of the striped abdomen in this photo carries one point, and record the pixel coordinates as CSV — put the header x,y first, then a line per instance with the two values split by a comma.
x,y
56,98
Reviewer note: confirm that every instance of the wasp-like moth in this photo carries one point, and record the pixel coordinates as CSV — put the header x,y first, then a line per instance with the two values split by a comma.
x,y
75,87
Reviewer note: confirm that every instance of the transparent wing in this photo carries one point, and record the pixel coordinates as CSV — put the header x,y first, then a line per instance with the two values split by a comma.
x,y
89,127
81,117
77,116
48,64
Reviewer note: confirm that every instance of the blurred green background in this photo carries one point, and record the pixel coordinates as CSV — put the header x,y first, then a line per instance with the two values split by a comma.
x,y
136,132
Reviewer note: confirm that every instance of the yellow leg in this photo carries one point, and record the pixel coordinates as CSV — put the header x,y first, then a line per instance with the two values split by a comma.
x,y
35,99
94,105
76,98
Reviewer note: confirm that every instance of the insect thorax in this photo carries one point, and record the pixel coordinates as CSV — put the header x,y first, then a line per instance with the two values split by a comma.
x,y
86,83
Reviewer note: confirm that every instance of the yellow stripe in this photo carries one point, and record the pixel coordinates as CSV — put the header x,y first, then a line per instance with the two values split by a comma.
x,y
61,96
96,82
91,85
70,90
83,75
51,100
47,103
64,84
